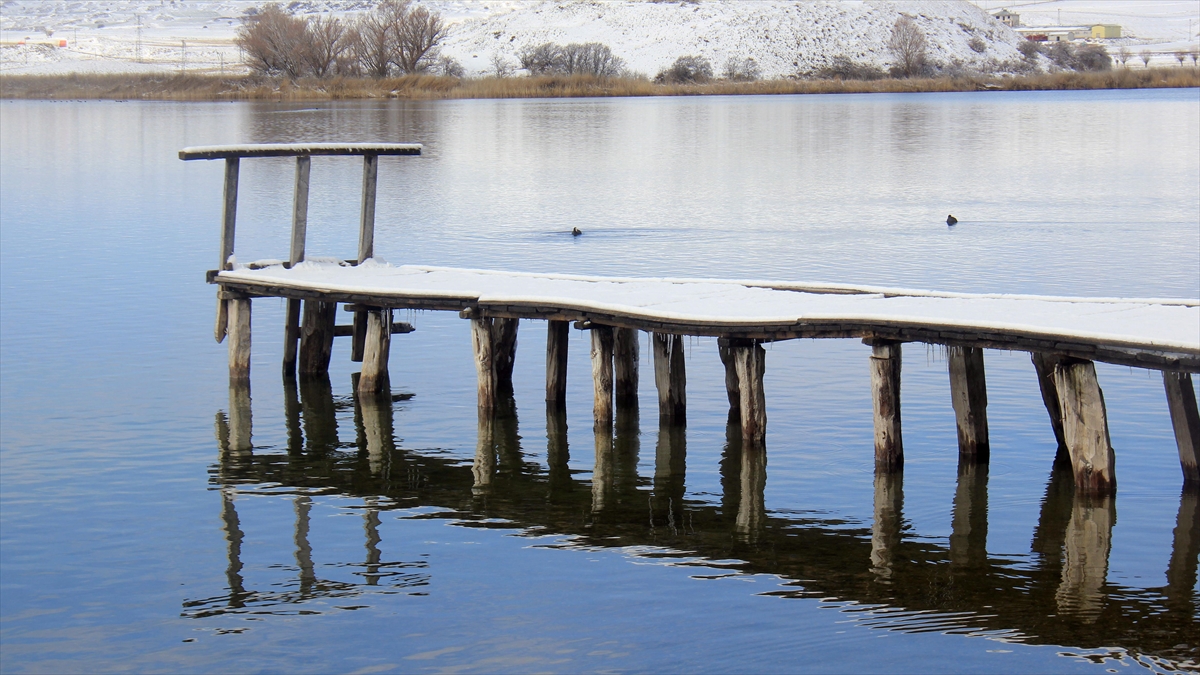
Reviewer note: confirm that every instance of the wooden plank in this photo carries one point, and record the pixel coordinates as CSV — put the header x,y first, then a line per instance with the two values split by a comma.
x,y
557,333
239,340
316,337
373,378
398,328
968,395
300,210
602,376
1185,419
504,336
625,367
670,377
297,149
885,403
291,337
1085,427
366,223
229,213
485,369
750,362
732,387
222,323
1043,364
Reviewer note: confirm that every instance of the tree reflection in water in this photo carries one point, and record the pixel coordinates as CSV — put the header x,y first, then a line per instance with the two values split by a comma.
x,y
887,579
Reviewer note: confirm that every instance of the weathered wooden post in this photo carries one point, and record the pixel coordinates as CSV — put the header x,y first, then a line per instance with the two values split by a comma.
x,y
485,367
291,328
558,453
670,377
752,506
504,353
625,367
889,516
316,337
885,385
750,361
366,246
375,410
239,337
968,395
241,425
556,364
228,227
603,470
1044,364
484,465
670,466
732,389
1085,426
374,376
602,375
1181,400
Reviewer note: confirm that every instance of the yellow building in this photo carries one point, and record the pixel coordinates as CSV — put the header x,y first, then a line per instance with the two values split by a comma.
x,y
1106,30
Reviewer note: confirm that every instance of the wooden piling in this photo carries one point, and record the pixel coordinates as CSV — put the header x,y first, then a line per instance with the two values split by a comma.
x,y
504,353
291,336
1044,364
1181,400
1085,426
239,339
602,375
366,223
885,385
316,337
374,376
485,370
968,394
732,388
556,364
300,210
750,361
228,228
358,336
625,367
670,377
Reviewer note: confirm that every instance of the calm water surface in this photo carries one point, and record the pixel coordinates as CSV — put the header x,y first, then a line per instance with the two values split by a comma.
x,y
142,529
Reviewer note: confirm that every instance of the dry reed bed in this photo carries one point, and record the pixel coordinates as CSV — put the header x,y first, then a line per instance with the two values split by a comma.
x,y
197,87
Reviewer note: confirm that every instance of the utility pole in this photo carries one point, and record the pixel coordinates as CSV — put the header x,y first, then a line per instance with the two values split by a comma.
x,y
138,44
183,57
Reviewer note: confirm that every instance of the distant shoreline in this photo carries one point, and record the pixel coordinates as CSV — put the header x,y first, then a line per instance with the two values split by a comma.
x,y
197,87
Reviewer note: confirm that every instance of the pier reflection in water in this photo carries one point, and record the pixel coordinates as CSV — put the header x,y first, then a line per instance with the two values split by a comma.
x,y
885,576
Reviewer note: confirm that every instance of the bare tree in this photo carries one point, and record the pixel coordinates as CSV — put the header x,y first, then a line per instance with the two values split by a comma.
x,y
1029,49
742,70
541,59
909,46
374,37
448,66
327,42
1195,54
1180,56
418,33
274,42
501,66
1146,55
687,69
1123,55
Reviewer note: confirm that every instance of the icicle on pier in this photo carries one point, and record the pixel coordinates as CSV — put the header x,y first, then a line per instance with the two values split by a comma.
x,y
1064,335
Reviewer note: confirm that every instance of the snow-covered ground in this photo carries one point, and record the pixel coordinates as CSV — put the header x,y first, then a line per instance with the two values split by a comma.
x,y
783,36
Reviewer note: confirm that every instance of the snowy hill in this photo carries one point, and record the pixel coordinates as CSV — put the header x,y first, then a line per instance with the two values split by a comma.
x,y
785,37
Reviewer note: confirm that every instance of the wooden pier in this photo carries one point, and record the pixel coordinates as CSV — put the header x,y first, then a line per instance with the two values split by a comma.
x,y
1065,336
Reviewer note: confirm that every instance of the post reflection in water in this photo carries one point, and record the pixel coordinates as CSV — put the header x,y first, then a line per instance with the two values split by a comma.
x,y
968,535
1061,598
889,514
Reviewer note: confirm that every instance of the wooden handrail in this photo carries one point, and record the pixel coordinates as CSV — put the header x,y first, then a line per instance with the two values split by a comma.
x,y
297,150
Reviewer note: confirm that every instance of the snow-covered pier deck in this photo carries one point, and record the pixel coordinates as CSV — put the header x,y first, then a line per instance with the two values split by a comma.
x,y
1064,335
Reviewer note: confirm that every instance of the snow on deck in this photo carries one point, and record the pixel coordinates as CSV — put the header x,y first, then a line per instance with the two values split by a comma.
x,y
1161,324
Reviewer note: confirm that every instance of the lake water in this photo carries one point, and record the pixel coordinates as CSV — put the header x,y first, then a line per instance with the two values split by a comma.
x,y
137,534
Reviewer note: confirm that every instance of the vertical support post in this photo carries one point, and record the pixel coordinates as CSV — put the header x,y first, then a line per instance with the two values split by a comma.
x,y
485,368
602,375
239,339
291,337
750,361
300,209
1085,427
374,376
504,353
1044,365
670,377
885,385
366,224
228,226
625,367
1185,418
316,337
557,333
358,336
968,394
732,388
